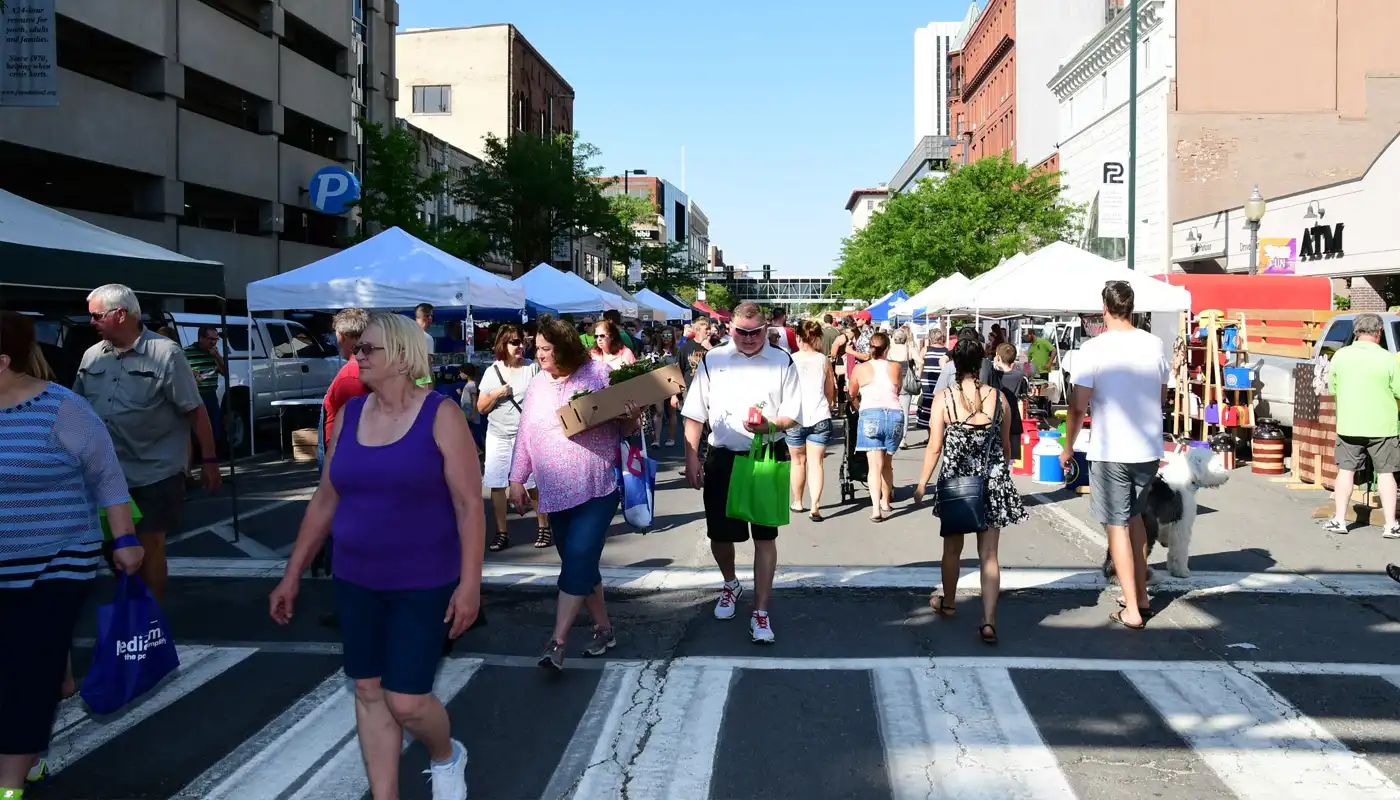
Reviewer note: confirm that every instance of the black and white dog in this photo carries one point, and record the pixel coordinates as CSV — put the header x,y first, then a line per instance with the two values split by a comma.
x,y
1170,513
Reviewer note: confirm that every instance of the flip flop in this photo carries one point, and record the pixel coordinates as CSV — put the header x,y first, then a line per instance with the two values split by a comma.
x,y
817,516
1117,617
1146,611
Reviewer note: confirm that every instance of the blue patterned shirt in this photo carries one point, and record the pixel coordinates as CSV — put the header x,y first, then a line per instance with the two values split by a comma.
x,y
57,467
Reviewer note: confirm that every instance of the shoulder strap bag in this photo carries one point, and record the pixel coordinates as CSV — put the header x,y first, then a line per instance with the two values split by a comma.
x,y
909,383
504,382
962,499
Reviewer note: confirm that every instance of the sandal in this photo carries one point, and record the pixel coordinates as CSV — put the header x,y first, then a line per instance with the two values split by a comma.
x,y
1117,617
941,608
988,632
1393,571
545,538
501,542
1145,611
817,516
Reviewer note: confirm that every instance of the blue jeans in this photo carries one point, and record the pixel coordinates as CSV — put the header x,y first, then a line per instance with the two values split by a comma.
x,y
395,636
879,429
579,535
819,435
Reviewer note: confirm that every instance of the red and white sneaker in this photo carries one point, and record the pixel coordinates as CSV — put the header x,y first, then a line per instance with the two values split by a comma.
x,y
728,602
760,629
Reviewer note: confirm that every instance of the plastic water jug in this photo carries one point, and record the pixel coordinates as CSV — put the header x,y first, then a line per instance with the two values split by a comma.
x,y
1046,457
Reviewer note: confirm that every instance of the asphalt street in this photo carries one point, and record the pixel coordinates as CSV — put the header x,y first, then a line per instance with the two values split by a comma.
x,y
1270,673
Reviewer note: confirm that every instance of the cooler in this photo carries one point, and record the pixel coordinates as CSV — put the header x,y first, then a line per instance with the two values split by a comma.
x,y
1077,476
1046,458
1025,444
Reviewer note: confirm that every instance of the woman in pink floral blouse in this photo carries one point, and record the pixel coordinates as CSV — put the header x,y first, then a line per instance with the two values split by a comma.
x,y
577,479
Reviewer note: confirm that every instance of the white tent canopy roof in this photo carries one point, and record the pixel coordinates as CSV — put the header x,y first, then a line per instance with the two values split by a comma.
x,y
391,270
567,293
642,310
955,299
932,295
34,225
1062,279
660,303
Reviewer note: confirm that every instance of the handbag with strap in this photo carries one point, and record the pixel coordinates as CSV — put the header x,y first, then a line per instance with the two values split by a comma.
x,y
909,383
962,500
504,382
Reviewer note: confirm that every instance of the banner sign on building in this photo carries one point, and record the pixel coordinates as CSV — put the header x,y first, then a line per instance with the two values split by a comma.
x,y
634,271
1113,201
28,53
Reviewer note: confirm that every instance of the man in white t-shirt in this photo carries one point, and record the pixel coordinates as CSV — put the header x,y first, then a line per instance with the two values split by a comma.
x,y
1122,374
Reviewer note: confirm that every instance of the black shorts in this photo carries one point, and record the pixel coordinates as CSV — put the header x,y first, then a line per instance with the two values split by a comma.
x,y
719,464
39,622
161,504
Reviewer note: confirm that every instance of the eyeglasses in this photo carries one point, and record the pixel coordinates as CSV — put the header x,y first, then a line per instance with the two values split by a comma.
x,y
748,331
514,343
101,315
365,348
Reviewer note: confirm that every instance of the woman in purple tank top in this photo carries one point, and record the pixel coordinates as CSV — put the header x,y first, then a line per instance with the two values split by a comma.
x,y
402,492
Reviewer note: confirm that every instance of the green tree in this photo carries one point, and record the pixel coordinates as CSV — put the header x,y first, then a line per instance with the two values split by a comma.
x,y
531,192
717,295
393,192
968,222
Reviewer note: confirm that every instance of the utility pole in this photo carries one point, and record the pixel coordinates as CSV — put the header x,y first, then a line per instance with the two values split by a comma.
x,y
1132,131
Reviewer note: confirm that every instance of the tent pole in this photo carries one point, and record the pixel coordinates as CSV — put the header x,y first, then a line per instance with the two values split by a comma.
x,y
253,394
232,454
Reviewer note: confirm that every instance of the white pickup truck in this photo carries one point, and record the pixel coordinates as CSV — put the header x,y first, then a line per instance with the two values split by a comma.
x,y
1274,374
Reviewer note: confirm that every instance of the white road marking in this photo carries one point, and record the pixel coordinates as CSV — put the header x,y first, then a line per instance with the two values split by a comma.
x,y
86,735
243,516
588,734
660,737
343,775
1259,745
1076,525
962,734
509,575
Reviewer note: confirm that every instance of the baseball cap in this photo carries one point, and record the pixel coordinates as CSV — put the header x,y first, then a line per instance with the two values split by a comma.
x,y
865,315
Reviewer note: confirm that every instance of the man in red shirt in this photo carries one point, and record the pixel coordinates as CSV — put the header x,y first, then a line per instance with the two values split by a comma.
x,y
349,325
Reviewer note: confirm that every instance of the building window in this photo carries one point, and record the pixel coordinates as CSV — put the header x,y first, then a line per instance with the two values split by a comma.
x,y
432,99
869,205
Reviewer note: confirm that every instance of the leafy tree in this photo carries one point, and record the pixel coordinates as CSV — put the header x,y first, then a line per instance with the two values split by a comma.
x,y
531,192
968,222
717,295
392,193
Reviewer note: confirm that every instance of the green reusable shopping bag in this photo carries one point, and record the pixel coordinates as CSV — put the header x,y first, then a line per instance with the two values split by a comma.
x,y
759,487
107,526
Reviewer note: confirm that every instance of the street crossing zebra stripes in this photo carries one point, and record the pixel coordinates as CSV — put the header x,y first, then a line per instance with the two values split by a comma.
x,y
282,725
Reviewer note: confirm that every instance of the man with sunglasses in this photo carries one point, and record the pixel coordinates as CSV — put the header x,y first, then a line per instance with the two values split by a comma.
x,y
730,380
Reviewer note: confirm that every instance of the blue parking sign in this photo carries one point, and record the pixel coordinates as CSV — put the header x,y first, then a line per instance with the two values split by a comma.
x,y
333,189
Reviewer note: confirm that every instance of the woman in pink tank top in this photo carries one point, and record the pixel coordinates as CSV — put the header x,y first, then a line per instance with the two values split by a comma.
x,y
874,387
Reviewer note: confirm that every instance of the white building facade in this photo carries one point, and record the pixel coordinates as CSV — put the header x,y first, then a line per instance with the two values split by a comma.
x,y
932,44
1047,33
1092,91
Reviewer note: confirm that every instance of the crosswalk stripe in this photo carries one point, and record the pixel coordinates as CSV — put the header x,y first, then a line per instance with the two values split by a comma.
x,y
343,775
579,755
1259,745
660,736
962,734
270,762
197,668
72,711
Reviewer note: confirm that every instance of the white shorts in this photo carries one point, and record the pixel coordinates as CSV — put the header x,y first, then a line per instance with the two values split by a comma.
x,y
500,451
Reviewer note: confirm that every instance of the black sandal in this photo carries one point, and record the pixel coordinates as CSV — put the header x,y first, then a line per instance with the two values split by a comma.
x,y
988,633
940,608
545,538
1146,611
1117,617
1393,571
501,542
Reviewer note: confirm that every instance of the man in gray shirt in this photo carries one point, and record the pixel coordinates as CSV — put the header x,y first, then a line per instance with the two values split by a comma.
x,y
142,387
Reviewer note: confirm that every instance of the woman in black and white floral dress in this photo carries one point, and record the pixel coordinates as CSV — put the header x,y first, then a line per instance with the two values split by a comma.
x,y
971,431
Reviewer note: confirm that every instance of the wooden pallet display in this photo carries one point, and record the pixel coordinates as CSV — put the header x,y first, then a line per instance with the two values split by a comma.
x,y
1211,386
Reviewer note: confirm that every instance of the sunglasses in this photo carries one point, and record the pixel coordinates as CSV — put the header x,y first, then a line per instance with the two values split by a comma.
x,y
98,317
749,331
365,349
514,343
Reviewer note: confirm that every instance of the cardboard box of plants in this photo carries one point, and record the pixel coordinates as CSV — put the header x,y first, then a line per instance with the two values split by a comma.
x,y
644,383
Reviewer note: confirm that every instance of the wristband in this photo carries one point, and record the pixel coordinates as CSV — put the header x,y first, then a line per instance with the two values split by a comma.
x,y
123,542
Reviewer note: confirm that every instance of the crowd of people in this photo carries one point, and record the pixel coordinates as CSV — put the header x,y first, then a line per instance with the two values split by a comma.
x,y
404,471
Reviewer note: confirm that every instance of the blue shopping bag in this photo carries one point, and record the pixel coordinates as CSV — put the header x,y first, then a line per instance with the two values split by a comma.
x,y
134,650
638,484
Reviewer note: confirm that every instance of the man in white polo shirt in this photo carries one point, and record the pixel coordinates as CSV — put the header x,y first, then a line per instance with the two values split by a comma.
x,y
731,379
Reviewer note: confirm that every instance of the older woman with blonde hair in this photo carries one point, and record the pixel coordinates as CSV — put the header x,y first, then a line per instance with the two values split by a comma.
x,y
402,492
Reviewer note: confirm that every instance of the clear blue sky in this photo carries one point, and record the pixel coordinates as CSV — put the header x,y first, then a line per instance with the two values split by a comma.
x,y
783,106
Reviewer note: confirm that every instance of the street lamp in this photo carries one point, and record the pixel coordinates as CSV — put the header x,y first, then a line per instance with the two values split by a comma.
x,y
626,172
1253,213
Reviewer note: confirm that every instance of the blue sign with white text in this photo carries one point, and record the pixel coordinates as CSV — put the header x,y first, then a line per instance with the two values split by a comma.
x,y
333,189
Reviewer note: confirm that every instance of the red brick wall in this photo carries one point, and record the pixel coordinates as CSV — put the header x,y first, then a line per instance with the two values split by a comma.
x,y
1364,295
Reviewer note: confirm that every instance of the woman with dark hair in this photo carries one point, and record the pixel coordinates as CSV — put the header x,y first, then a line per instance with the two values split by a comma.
x,y
934,355
501,396
667,354
807,443
608,347
972,433
58,466
577,480
874,386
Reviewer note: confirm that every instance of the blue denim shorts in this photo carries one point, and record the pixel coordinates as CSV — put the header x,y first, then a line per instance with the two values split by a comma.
x,y
579,535
395,636
819,435
879,429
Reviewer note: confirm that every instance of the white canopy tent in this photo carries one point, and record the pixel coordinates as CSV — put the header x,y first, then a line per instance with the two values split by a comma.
x,y
930,299
391,270
1062,279
660,303
644,311
955,299
567,293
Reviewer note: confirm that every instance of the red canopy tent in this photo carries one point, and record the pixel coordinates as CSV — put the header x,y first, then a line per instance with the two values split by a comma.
x,y
711,312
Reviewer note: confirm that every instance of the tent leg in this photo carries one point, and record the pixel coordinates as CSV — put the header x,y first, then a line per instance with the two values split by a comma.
x,y
232,451
252,394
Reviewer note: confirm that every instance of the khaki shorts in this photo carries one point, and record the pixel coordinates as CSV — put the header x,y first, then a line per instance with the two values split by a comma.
x,y
1383,452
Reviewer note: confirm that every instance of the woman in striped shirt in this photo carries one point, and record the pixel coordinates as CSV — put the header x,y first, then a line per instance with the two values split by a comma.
x,y
57,467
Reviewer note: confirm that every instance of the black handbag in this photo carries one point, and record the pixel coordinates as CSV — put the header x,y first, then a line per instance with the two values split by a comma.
x,y
962,500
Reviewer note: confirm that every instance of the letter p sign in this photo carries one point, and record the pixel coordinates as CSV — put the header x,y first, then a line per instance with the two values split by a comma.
x,y
333,189
1112,172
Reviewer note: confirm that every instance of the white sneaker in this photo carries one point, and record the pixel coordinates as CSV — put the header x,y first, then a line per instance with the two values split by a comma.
x,y
728,602
450,780
760,628
1335,525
